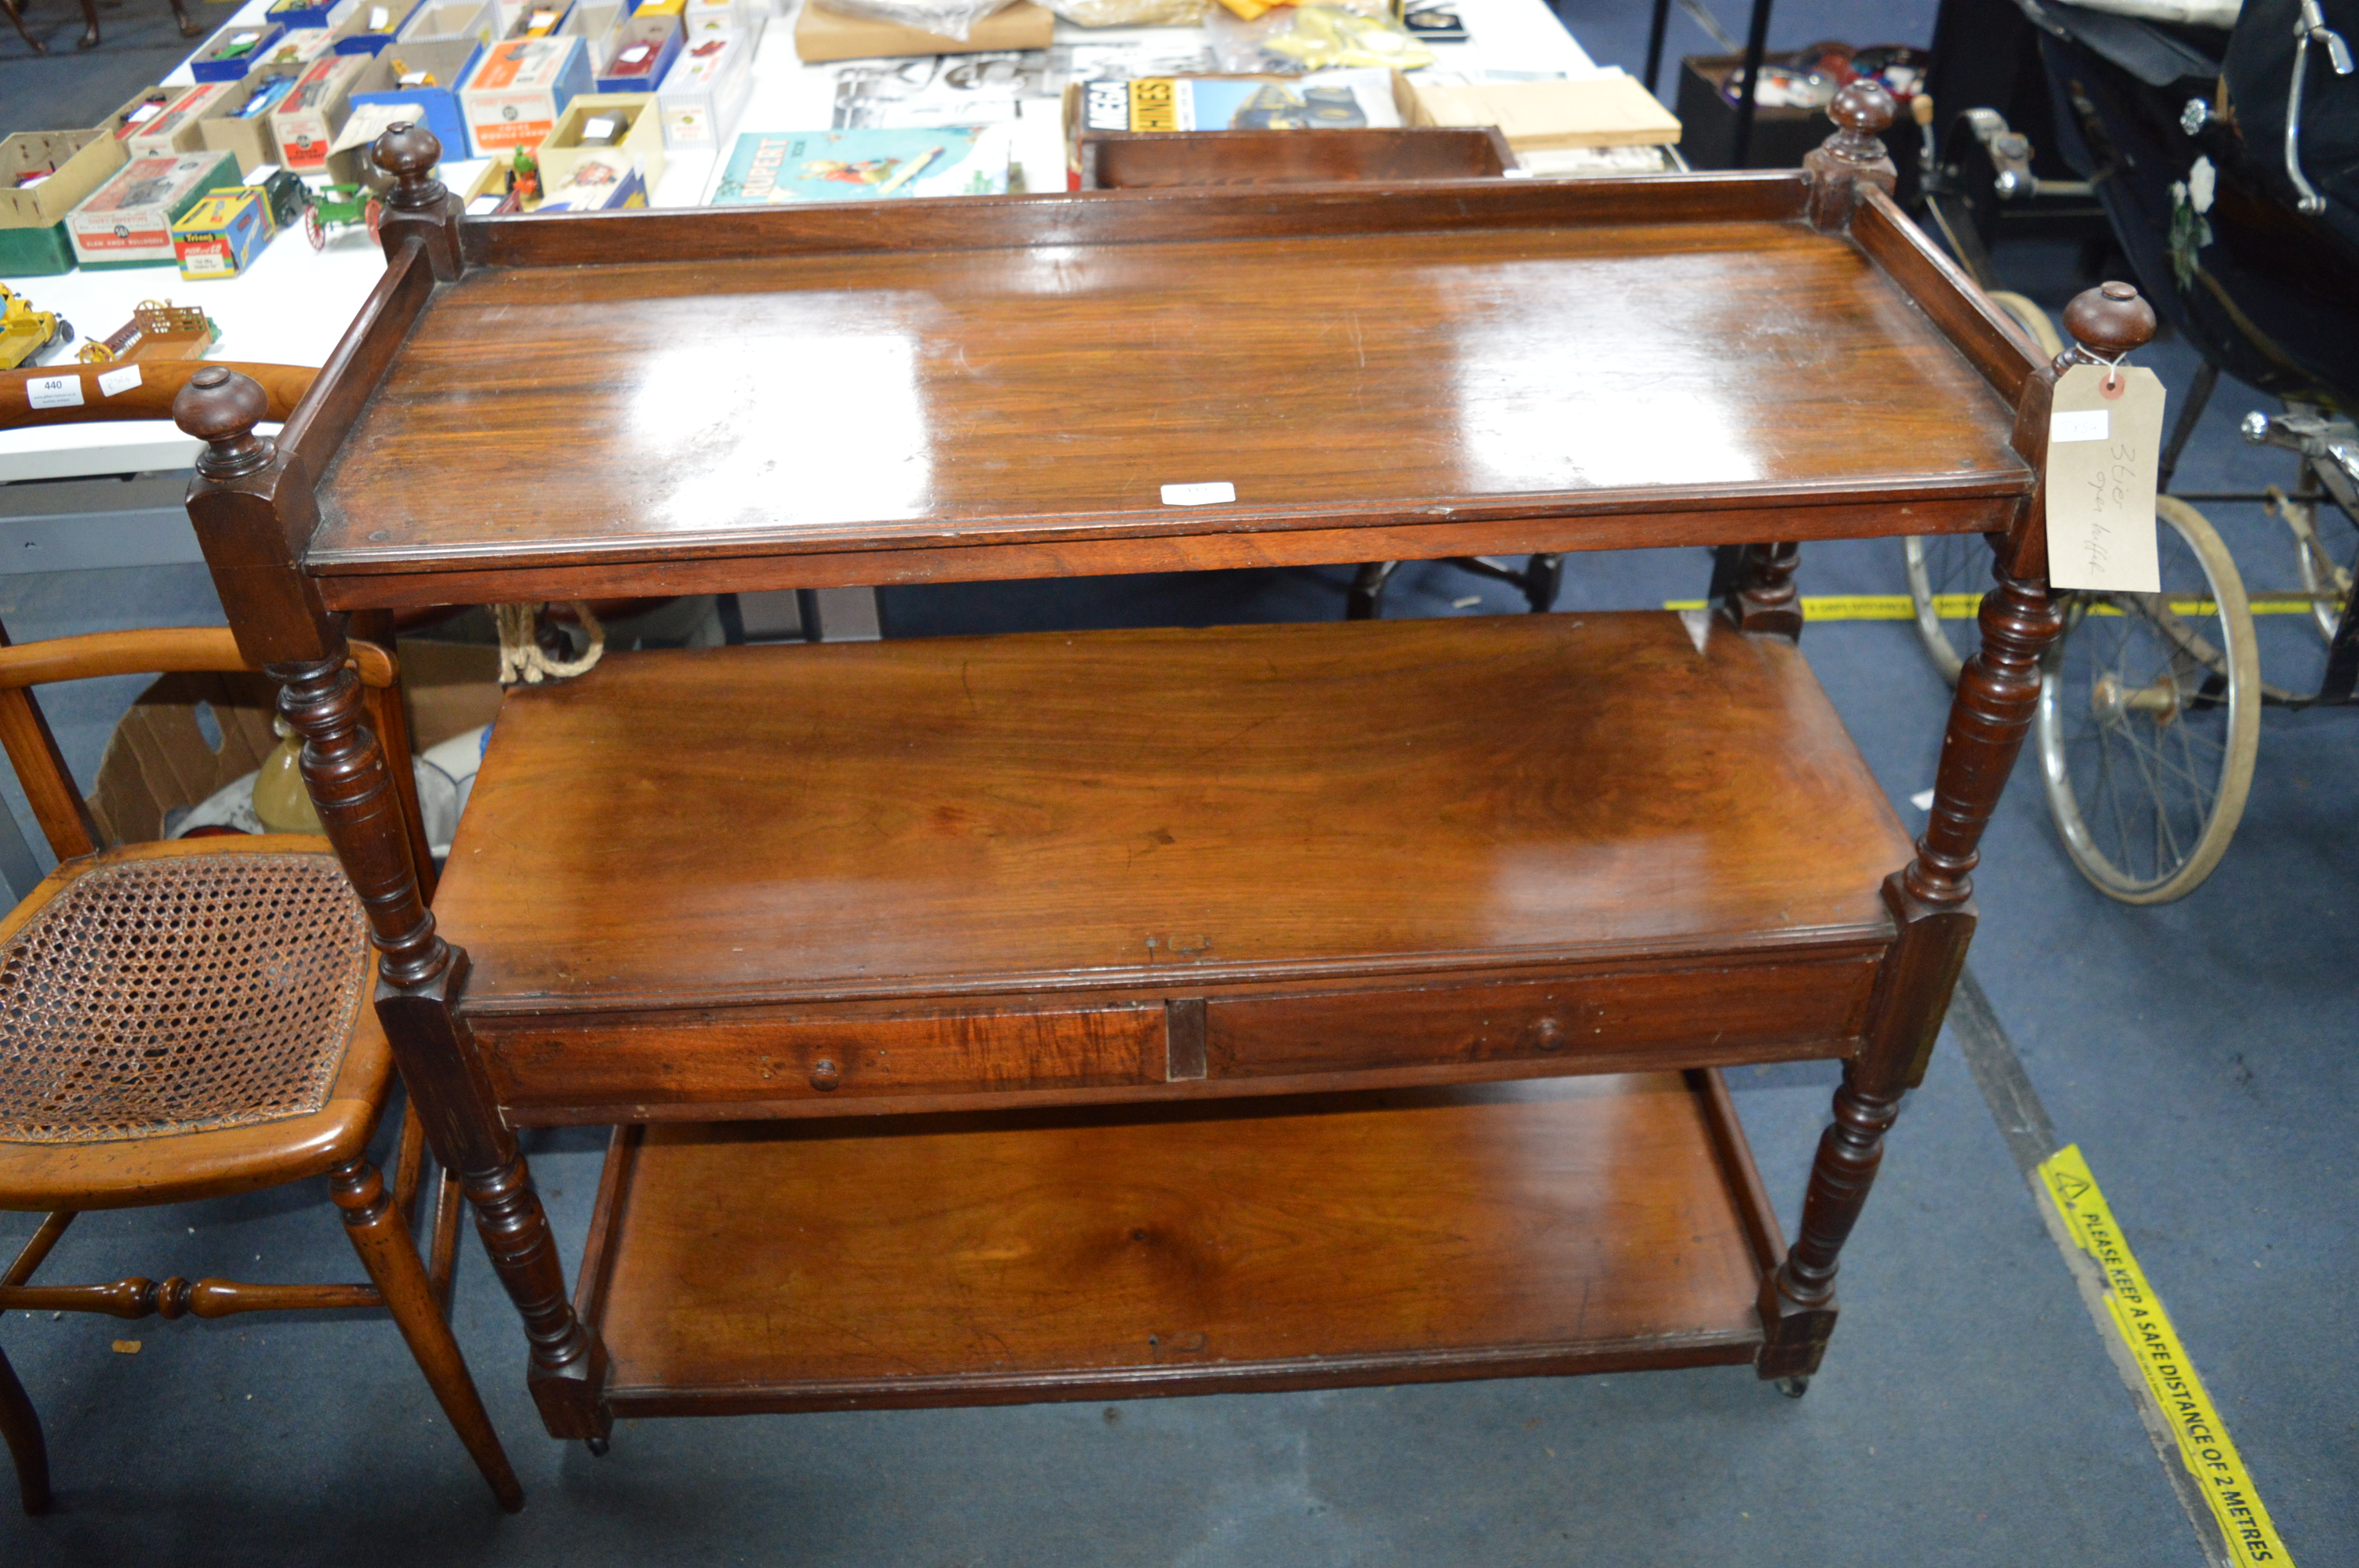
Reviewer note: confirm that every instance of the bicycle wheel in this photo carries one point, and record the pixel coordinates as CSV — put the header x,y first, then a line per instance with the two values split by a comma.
x,y
1947,568
2325,580
2150,718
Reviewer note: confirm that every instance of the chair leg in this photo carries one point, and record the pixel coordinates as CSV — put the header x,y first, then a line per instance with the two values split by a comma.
x,y
390,1254
16,14
89,40
22,1428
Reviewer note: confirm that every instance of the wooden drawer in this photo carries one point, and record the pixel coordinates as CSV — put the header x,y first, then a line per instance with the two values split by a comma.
x,y
590,1070
1674,1018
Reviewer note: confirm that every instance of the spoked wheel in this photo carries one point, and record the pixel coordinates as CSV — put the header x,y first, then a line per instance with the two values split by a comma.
x,y
2326,580
2150,718
313,230
1949,573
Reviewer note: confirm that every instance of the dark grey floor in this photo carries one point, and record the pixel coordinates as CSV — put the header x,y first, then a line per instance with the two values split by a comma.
x,y
2201,1055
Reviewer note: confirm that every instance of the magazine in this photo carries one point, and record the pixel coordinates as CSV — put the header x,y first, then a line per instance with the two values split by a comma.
x,y
1327,100
864,164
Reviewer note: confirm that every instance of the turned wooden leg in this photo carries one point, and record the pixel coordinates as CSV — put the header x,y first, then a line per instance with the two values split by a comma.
x,y
189,27
1931,902
16,14
21,1426
1754,586
89,40
1366,601
420,979
378,1233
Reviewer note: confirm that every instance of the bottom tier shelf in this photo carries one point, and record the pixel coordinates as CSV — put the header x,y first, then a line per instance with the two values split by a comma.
x,y
1501,1231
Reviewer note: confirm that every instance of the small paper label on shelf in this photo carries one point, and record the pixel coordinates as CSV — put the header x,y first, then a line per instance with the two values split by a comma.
x,y
483,206
1212,494
54,391
2100,500
635,54
145,112
114,383
244,40
598,129
379,18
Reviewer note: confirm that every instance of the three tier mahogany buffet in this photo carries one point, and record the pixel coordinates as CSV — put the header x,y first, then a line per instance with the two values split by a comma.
x,y
1073,1016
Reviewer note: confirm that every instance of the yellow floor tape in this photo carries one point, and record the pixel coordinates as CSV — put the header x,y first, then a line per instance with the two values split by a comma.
x,y
2146,1328
1965,606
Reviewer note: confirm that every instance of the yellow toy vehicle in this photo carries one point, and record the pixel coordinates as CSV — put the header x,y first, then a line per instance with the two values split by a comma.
x,y
28,336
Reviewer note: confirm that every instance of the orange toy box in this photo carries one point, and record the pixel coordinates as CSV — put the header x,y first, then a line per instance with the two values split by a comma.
x,y
518,89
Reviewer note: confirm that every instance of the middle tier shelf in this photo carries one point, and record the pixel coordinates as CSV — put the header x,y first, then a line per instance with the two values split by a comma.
x,y
952,873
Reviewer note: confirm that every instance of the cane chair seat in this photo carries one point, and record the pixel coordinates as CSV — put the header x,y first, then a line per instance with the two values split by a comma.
x,y
185,1016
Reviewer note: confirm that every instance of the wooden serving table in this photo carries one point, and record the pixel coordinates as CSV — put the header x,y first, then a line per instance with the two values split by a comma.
x,y
1066,1016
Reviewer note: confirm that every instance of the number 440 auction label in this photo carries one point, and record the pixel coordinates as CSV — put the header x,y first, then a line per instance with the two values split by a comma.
x,y
2104,439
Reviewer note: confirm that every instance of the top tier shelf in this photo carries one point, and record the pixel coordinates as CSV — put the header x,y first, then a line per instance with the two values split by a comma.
x,y
1636,360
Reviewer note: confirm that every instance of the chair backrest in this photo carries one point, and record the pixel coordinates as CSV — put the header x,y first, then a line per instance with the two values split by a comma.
x,y
147,396
100,392
64,815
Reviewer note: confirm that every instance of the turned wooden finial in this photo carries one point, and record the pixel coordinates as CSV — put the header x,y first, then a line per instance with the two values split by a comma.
x,y
221,409
409,153
2106,322
1862,112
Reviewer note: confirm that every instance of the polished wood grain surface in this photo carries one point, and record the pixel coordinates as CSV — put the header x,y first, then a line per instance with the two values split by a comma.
x,y
880,400
1115,160
1428,1234
1161,807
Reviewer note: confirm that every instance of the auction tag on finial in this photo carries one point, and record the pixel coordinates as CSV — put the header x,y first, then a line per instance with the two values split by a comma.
x,y
2104,440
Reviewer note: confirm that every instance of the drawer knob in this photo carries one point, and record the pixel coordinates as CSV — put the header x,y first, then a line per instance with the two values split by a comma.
x,y
825,1074
1548,1034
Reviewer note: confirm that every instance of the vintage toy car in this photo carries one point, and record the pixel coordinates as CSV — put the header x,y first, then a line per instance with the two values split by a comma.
x,y
333,207
28,336
158,330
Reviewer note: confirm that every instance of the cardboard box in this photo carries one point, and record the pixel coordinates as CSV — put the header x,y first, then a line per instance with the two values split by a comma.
x,y
703,96
735,14
306,121
149,102
1608,110
33,241
448,61
515,93
293,15
127,220
231,53
543,19
450,21
598,181
222,233
652,20
638,66
293,54
246,130
600,24
190,736
374,25
179,128
641,145
821,35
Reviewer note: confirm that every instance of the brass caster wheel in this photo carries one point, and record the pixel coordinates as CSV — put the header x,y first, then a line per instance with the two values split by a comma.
x,y
599,1448
1794,1388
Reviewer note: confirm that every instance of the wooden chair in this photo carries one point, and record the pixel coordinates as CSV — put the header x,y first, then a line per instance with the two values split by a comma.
x,y
193,1019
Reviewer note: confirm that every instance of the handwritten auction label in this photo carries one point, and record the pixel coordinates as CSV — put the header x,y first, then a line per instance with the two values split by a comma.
x,y
2105,438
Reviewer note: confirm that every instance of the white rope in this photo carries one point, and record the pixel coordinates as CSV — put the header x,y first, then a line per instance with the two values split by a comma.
x,y
523,662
